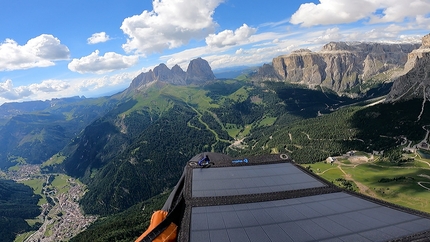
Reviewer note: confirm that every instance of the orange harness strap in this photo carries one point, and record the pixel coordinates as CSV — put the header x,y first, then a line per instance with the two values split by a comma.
x,y
168,235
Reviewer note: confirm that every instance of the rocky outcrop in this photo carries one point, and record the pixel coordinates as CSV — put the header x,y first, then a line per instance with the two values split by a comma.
x,y
198,71
416,82
141,80
340,65
267,72
175,76
179,75
417,54
426,41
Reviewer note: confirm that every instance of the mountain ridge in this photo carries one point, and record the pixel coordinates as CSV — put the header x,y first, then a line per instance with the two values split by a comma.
x,y
198,72
339,66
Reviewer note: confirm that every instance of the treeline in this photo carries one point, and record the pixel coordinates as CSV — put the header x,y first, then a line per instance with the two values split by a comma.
x,y
151,164
219,89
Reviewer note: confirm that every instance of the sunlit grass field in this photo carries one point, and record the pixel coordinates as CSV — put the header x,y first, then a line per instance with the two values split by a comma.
x,y
383,180
36,184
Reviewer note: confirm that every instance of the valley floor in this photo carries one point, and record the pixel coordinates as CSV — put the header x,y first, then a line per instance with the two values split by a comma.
x,y
61,216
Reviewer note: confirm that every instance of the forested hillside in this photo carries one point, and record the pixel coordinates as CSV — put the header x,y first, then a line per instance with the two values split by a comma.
x,y
140,147
33,137
373,128
150,165
17,203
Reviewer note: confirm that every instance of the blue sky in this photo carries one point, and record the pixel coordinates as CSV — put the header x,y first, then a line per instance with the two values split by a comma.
x,y
51,49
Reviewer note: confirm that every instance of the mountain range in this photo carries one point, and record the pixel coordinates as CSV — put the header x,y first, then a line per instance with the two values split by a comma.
x,y
339,66
132,146
198,71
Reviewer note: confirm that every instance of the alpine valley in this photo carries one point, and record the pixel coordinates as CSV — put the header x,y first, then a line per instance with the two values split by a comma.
x,y
100,166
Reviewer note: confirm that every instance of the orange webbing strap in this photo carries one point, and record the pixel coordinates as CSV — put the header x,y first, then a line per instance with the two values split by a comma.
x,y
169,234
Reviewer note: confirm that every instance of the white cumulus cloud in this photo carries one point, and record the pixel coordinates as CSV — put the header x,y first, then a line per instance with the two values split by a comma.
x,y
94,63
9,92
49,86
230,37
40,51
98,38
348,11
171,23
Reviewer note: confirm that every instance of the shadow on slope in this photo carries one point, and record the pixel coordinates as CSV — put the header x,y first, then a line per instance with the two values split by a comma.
x,y
383,126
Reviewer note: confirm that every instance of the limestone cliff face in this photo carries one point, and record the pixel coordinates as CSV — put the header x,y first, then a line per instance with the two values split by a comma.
x,y
198,71
339,65
267,73
301,65
415,83
418,53
179,75
142,79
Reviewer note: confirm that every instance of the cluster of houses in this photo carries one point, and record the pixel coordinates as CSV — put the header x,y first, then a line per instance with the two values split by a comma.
x,y
422,145
331,160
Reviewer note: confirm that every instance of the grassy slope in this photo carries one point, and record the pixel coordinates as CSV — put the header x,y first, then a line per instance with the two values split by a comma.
x,y
198,99
405,192
36,184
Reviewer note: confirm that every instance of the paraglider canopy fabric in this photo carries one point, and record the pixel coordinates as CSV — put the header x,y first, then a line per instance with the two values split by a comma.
x,y
270,198
243,180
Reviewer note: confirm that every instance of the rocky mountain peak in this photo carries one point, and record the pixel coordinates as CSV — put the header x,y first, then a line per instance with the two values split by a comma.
x,y
336,46
415,83
417,54
177,69
179,75
162,72
426,41
199,71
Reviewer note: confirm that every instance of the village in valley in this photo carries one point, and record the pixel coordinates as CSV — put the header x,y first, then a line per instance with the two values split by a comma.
x,y
61,216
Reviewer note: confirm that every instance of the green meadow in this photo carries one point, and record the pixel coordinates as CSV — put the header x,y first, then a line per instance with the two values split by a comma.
x,y
36,184
61,183
406,184
55,159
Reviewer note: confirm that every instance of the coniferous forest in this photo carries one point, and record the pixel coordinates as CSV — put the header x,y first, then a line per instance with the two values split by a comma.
x,y
17,203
